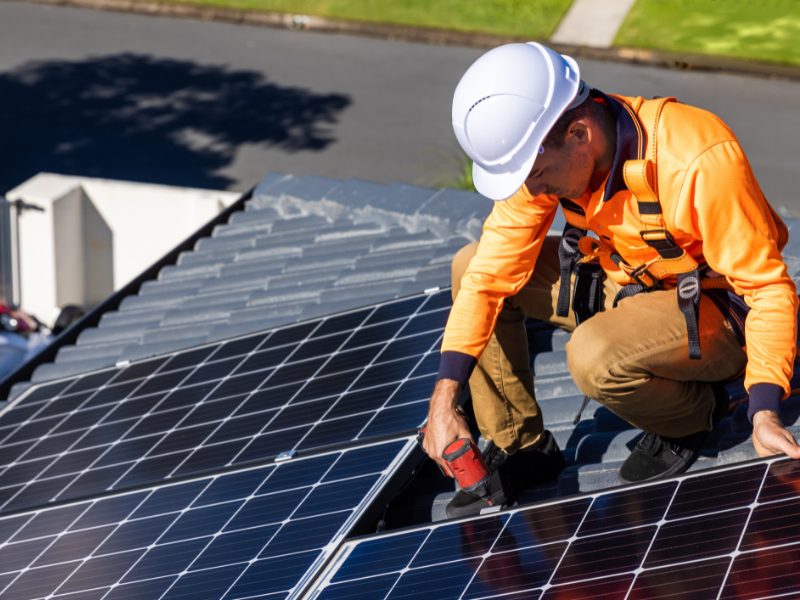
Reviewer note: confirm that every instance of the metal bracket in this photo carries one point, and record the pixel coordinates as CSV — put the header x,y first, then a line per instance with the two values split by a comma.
x,y
284,456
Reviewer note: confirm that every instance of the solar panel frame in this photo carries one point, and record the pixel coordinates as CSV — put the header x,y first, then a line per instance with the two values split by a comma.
x,y
84,433
164,534
716,529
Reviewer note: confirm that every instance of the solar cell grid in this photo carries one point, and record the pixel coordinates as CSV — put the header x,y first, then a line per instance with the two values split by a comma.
x,y
259,532
729,533
356,376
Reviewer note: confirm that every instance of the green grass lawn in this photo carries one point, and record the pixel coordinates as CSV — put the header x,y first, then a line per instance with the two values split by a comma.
x,y
527,18
755,29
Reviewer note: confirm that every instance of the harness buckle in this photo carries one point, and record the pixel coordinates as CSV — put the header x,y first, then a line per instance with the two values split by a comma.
x,y
662,242
657,235
641,271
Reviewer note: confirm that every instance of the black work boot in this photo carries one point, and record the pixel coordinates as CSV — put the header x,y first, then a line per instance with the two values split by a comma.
x,y
510,474
658,457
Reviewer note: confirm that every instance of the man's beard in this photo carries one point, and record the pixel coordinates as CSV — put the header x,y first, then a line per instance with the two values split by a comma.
x,y
583,168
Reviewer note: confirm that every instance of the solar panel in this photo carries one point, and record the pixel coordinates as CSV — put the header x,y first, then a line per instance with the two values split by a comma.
x,y
255,532
727,533
356,376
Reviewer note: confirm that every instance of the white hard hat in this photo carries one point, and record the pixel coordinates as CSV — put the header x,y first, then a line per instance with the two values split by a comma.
x,y
504,106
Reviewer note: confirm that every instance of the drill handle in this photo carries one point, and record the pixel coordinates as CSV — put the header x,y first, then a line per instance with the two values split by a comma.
x,y
446,470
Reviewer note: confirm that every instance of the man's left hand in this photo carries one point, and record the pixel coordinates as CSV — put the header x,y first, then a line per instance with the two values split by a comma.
x,y
770,437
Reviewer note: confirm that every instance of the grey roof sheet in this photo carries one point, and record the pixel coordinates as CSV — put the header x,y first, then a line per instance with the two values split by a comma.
x,y
304,247
312,246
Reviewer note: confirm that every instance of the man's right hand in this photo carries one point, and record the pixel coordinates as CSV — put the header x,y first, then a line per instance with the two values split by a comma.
x,y
445,425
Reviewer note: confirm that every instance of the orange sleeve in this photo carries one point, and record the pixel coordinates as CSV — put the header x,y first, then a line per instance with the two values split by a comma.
x,y
722,205
507,252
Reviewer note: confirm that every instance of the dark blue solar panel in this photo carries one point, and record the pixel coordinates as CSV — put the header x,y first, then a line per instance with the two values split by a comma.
x,y
240,534
345,378
730,533
628,509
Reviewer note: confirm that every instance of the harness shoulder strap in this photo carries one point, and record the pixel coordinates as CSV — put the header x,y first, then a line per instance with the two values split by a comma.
x,y
649,115
640,175
642,180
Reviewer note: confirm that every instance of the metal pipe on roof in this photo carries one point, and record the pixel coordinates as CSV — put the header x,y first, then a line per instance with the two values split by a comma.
x,y
6,259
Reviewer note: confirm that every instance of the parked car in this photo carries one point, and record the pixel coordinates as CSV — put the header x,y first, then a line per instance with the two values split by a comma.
x,y
21,336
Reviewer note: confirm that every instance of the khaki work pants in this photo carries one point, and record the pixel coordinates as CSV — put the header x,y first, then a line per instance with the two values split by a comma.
x,y
633,359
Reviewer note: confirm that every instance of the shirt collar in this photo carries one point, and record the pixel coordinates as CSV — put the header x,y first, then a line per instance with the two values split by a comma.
x,y
629,142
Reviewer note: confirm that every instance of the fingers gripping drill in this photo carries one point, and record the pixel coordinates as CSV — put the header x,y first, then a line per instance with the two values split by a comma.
x,y
465,464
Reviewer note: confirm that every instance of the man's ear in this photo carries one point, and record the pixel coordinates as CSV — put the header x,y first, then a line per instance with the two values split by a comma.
x,y
579,133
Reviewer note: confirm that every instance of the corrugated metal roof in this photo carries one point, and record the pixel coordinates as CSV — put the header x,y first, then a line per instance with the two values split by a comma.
x,y
304,247
311,246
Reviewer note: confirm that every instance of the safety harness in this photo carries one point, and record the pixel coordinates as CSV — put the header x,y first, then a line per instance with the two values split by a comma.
x,y
579,254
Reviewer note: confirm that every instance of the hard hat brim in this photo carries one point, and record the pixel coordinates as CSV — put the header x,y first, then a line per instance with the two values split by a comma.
x,y
501,186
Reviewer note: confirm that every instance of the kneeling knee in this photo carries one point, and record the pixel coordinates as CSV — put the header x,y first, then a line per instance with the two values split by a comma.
x,y
588,361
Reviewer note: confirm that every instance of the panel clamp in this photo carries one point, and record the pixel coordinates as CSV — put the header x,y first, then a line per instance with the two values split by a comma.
x,y
284,456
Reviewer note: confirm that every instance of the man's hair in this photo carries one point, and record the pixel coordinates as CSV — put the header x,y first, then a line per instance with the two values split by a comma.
x,y
588,109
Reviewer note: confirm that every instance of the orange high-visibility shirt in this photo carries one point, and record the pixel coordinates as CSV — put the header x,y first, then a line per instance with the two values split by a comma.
x,y
711,204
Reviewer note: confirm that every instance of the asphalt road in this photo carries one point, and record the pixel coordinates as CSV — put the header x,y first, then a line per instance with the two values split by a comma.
x,y
215,105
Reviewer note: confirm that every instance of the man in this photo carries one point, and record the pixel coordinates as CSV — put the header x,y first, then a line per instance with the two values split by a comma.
x,y
681,271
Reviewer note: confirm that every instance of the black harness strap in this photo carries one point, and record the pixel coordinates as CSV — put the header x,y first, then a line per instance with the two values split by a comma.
x,y
689,290
588,296
568,255
689,303
628,291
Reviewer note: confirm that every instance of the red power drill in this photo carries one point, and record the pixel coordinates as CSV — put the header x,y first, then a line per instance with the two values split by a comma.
x,y
465,464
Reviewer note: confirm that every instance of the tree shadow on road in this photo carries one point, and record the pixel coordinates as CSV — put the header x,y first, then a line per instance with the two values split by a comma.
x,y
139,118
